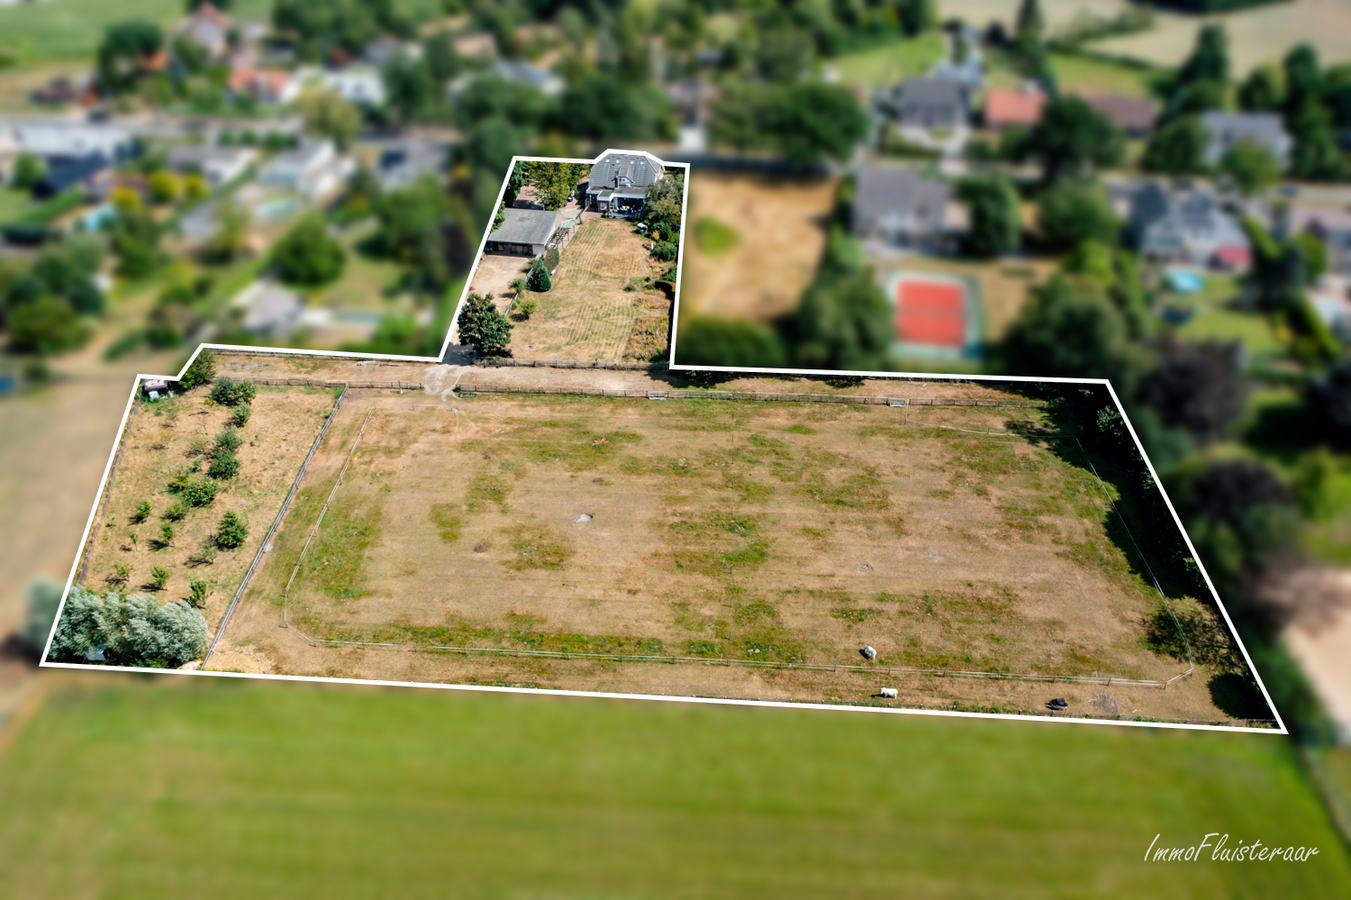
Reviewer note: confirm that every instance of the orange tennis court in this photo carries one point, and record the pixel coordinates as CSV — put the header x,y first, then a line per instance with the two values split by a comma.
x,y
930,312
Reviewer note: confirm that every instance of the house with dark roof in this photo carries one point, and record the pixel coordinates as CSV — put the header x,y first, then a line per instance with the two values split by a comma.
x,y
1186,227
619,181
1133,115
525,232
929,104
399,165
1224,130
91,175
898,207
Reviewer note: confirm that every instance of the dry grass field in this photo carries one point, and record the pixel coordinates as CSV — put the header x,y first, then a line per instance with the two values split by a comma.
x,y
712,531
779,231
588,314
1258,35
160,443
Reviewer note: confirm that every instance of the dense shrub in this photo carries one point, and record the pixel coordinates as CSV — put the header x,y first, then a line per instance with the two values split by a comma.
x,y
231,531
200,492
229,391
132,630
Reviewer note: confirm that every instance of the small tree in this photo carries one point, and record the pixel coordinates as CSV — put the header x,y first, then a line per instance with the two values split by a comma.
x,y
121,574
28,171
525,308
201,370
242,414
143,510
164,186
224,465
176,512
200,492
538,280
231,531
228,439
166,535
198,590
229,391
159,577
482,327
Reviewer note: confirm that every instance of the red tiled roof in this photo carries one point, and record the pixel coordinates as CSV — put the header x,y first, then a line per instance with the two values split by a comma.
x,y
1128,113
1004,108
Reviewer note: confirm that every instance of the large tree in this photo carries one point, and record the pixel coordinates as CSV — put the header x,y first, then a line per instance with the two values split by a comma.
x,y
1070,212
412,230
1250,168
1209,60
1177,148
1030,25
410,89
1329,400
328,115
1071,136
554,182
125,47
994,212
1074,330
1264,89
307,256
128,630
482,327
1200,388
812,122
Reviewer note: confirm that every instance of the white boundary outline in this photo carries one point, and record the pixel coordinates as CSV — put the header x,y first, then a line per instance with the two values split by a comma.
x,y
928,376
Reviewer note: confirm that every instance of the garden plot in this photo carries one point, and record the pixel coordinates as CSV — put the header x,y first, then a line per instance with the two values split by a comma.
x,y
165,439
709,532
599,300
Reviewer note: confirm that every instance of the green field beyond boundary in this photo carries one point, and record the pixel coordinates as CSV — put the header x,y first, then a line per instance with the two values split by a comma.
x,y
190,787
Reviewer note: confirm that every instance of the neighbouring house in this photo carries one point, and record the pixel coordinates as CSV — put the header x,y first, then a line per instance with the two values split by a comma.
x,y
618,182
1224,130
381,50
970,71
92,175
313,169
928,104
1186,227
63,91
360,86
269,309
525,232
208,28
547,82
264,85
56,143
218,165
404,163
1008,108
1133,115
896,206
1332,226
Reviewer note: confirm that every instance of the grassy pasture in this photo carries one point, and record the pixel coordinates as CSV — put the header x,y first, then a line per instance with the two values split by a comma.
x,y
188,786
723,531
70,28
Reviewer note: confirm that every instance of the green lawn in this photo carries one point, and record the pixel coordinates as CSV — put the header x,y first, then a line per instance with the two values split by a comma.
x,y
364,278
1218,319
891,62
66,28
13,204
1077,73
161,787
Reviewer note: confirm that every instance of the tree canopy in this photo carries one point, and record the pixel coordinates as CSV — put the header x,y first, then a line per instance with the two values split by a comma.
x,y
1071,136
129,630
307,256
482,327
994,212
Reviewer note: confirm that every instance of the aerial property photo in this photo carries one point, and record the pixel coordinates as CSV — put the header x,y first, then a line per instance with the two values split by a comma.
x,y
975,547
581,261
